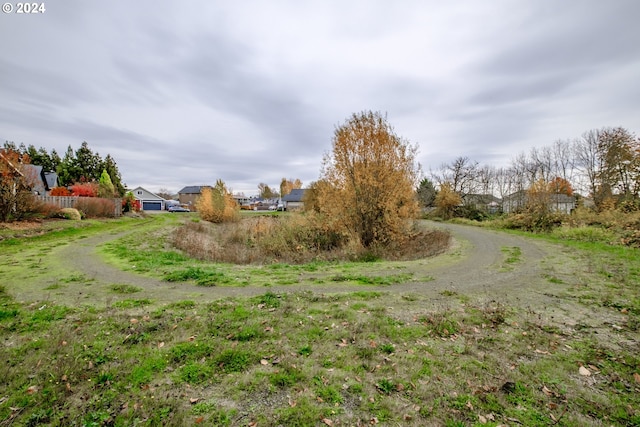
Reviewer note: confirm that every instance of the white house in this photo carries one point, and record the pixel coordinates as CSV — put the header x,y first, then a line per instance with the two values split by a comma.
x,y
557,202
148,200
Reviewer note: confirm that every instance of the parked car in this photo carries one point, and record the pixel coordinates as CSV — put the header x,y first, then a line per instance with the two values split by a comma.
x,y
173,209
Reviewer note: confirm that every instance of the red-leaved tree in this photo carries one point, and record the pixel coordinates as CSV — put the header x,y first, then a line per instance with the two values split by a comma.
x,y
60,191
86,189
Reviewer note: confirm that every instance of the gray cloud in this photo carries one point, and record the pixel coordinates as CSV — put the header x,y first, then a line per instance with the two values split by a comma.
x,y
183,94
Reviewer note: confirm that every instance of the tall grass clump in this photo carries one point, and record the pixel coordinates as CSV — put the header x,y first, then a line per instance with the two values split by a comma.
x,y
613,225
94,207
296,238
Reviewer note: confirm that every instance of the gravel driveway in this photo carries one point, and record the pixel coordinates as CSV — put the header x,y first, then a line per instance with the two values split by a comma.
x,y
544,279
472,265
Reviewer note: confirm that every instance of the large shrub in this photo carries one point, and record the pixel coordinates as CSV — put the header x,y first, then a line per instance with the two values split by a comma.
x,y
60,191
93,207
85,189
369,181
217,204
71,213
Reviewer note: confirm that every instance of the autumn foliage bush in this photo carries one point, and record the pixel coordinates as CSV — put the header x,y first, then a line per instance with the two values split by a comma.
x,y
369,180
16,198
47,210
217,204
85,189
60,192
625,226
92,207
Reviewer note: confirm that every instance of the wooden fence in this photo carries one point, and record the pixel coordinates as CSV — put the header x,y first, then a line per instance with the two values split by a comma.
x,y
70,202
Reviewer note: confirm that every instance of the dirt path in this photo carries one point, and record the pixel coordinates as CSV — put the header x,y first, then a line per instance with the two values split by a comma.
x,y
473,265
543,277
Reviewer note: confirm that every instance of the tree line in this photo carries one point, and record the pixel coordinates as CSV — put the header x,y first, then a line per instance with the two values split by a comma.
x,y
602,164
75,167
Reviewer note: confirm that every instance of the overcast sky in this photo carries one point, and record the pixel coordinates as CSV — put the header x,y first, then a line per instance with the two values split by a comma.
x,y
186,92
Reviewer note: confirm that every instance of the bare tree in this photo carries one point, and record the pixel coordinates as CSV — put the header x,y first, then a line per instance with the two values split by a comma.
x,y
461,175
564,162
166,194
503,182
587,159
485,179
520,173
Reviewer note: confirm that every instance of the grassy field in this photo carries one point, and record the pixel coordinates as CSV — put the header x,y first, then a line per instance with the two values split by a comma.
x,y
308,359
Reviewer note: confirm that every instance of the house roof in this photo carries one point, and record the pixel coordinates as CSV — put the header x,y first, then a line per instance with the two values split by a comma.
x,y
146,194
296,195
34,176
51,180
557,198
481,198
193,189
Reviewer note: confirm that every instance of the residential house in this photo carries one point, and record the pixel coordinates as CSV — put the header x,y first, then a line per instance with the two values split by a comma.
x,y
483,202
190,194
148,201
518,201
41,181
294,200
563,203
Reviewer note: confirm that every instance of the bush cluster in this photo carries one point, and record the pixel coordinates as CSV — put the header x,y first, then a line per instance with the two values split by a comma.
x,y
217,205
295,239
60,191
623,226
93,207
71,213
535,222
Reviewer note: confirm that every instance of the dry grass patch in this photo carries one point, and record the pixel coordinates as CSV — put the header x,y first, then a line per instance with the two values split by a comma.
x,y
296,239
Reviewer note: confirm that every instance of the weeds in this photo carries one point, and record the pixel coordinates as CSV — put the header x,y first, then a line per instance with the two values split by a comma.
x,y
512,256
293,239
125,289
357,358
212,363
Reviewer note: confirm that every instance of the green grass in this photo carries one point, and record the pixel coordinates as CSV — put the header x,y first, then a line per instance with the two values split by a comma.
x,y
298,358
401,366
512,255
124,289
201,276
145,252
372,280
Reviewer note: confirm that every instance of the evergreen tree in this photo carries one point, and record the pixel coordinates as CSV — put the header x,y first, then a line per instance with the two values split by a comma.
x,y
67,172
110,166
87,164
426,193
41,157
106,188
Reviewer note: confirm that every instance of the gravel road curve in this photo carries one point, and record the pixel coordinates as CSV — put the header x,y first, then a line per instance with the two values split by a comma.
x,y
473,265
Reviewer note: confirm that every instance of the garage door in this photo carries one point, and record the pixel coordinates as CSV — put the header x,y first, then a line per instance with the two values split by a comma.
x,y
151,206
